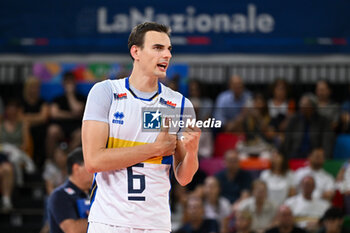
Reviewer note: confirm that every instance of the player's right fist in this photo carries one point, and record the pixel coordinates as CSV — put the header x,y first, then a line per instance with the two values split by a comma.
x,y
165,142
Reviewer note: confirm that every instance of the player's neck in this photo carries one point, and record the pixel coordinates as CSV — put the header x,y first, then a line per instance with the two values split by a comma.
x,y
143,82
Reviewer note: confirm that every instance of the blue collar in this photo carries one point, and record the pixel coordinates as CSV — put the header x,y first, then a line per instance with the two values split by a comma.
x,y
127,86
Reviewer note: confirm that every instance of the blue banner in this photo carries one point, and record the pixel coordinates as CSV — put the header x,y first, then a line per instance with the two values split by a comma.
x,y
91,26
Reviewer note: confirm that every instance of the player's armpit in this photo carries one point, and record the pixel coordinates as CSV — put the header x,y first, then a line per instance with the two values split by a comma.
x,y
74,225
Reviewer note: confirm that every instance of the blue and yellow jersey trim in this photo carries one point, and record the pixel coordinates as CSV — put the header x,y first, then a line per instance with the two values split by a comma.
x,y
119,143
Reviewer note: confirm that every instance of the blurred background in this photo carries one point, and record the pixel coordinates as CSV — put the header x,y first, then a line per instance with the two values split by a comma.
x,y
276,73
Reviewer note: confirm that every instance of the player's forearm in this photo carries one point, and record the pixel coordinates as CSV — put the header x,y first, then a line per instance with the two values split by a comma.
x,y
186,169
74,226
107,159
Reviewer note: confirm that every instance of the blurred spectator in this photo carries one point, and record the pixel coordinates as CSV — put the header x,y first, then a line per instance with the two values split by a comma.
x,y
279,179
332,221
178,198
280,108
344,121
204,104
307,130
55,173
215,206
194,218
67,206
6,182
325,185
234,182
243,222
256,126
230,104
263,211
14,139
35,113
326,107
306,209
343,185
285,222
66,114
206,141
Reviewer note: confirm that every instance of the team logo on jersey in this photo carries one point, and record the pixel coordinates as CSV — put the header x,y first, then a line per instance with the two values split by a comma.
x,y
167,102
118,118
118,96
152,119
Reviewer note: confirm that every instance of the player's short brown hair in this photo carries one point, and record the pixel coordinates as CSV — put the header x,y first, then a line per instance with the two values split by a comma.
x,y
137,35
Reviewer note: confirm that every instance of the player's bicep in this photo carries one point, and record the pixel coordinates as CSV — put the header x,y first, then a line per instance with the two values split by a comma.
x,y
94,139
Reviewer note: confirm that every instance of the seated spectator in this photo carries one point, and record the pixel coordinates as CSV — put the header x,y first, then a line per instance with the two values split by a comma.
x,y
234,182
343,184
66,114
280,108
307,130
344,121
215,206
194,219
259,135
55,173
332,221
263,211
14,139
325,106
205,104
279,179
36,114
306,209
67,204
6,182
206,141
243,222
285,222
325,185
230,104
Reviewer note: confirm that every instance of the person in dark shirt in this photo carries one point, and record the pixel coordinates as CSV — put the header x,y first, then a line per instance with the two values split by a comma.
x,y
285,222
68,205
235,183
36,114
66,115
195,221
332,221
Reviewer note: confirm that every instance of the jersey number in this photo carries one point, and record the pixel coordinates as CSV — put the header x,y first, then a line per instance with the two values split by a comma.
x,y
131,180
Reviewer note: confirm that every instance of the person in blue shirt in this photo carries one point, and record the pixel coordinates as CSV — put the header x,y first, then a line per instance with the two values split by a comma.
x,y
230,104
68,205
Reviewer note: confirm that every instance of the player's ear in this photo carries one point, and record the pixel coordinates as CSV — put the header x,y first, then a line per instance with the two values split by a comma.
x,y
134,51
75,168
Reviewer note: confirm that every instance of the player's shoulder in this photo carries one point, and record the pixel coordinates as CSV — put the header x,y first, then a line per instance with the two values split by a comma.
x,y
109,85
170,93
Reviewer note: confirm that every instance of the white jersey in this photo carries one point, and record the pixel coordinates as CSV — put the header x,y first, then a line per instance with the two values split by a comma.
x,y
137,196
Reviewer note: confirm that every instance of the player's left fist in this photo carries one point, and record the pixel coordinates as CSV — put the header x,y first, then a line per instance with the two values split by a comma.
x,y
190,139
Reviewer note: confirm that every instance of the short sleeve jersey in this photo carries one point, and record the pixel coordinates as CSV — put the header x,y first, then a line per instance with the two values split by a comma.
x,y
64,203
136,196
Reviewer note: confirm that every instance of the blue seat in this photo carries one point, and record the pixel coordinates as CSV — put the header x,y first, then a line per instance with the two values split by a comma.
x,y
342,147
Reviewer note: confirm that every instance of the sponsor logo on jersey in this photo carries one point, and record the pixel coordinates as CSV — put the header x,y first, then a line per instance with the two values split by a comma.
x,y
118,118
152,119
70,191
118,96
167,102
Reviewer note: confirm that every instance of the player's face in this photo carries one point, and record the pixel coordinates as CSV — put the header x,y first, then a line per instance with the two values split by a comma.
x,y
155,55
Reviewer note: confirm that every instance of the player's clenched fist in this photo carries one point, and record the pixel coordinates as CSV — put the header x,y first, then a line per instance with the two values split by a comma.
x,y
165,142
190,139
